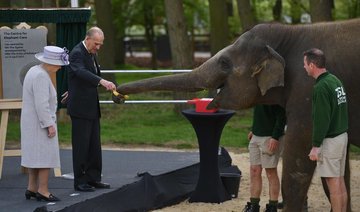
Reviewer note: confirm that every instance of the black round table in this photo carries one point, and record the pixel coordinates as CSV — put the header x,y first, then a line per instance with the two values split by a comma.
x,y
208,128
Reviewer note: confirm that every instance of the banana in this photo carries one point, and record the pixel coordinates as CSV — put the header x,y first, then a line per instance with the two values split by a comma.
x,y
117,94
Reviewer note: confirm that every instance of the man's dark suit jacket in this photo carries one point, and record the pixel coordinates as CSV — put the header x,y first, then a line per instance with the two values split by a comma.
x,y
83,80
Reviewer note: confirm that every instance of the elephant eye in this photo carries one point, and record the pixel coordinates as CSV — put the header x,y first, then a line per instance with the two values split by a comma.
x,y
225,63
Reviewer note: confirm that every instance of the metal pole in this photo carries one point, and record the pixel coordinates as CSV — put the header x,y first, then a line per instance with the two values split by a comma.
x,y
145,71
147,101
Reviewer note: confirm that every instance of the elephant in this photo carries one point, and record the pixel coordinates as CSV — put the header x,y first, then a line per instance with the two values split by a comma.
x,y
265,66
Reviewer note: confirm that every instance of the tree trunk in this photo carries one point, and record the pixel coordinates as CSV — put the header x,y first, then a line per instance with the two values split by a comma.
x,y
295,11
120,50
105,22
182,55
246,14
219,27
120,30
149,30
277,10
121,22
179,39
320,10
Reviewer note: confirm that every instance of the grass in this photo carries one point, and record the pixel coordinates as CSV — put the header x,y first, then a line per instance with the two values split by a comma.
x,y
151,125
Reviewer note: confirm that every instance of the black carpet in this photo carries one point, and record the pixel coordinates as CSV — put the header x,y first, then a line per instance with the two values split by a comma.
x,y
140,181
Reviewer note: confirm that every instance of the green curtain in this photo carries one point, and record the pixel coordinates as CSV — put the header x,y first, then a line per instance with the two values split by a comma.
x,y
67,35
48,15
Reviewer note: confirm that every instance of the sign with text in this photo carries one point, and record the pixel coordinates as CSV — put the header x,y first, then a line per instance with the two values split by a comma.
x,y
18,47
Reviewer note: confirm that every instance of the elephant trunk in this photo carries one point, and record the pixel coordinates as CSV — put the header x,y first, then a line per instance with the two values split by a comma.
x,y
189,82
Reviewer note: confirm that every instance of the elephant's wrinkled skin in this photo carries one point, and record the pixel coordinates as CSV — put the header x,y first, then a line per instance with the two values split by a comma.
x,y
265,65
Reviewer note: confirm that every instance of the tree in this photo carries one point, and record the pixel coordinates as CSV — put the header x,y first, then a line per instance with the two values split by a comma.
x,y
277,10
179,41
121,21
196,14
246,14
5,3
148,12
105,22
144,13
28,3
320,10
219,28
354,8
295,11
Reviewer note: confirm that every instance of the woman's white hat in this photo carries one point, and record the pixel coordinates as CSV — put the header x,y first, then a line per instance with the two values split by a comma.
x,y
54,55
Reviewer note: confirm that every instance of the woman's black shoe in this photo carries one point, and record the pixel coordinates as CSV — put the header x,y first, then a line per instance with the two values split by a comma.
x,y
51,198
29,194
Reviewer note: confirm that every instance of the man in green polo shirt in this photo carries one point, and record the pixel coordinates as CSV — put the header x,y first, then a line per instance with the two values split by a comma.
x,y
264,149
330,125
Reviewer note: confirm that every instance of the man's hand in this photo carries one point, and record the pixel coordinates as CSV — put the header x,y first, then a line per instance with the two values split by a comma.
x,y
250,135
273,145
314,153
110,86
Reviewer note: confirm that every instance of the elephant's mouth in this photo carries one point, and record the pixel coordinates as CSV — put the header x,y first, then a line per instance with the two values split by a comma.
x,y
221,86
215,103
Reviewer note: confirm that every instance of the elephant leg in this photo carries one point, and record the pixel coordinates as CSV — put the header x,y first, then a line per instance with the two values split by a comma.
x,y
297,174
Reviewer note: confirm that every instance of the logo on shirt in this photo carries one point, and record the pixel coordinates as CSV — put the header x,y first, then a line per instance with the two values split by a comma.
x,y
341,95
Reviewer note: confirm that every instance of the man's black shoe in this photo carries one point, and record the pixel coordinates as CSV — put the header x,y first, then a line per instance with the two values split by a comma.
x,y
99,184
84,187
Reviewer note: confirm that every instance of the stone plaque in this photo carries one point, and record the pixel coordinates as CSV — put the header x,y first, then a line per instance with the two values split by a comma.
x,y
18,47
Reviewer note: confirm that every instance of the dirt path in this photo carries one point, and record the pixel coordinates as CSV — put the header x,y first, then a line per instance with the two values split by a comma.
x,y
316,197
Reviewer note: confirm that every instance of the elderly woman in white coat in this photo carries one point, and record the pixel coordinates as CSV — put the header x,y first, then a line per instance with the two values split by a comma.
x,y
39,138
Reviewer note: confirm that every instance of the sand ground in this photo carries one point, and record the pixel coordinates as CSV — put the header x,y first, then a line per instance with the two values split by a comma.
x,y
317,200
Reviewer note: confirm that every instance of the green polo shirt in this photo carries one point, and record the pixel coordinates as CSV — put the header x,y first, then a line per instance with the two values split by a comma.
x,y
269,120
329,108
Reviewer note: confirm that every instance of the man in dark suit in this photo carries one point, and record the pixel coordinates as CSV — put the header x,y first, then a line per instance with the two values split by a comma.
x,y
84,110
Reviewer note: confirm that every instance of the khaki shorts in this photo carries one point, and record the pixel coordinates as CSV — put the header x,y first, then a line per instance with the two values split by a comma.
x,y
332,156
259,154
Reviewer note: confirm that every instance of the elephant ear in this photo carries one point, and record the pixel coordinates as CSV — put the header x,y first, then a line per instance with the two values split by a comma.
x,y
270,72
